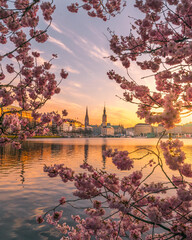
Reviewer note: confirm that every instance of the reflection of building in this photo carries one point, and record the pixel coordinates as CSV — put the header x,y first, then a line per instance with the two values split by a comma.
x,y
86,149
28,161
56,149
103,149
86,118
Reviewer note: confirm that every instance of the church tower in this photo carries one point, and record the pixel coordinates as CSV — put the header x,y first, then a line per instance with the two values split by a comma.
x,y
86,118
104,119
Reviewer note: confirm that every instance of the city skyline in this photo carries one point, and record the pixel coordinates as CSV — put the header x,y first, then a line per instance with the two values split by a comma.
x,y
103,119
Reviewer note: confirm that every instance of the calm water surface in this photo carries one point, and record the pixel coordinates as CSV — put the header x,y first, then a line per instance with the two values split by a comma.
x,y
26,191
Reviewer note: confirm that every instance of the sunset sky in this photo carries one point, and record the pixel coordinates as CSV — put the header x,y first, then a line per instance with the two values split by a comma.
x,y
81,44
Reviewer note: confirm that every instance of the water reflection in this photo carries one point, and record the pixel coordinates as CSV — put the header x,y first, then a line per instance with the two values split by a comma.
x,y
25,190
72,154
50,153
22,167
103,149
86,149
86,152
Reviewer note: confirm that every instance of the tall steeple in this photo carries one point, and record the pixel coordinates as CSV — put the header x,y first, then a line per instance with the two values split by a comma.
x,y
86,118
104,119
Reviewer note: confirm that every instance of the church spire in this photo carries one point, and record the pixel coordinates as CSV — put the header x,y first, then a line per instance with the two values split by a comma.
x,y
86,118
104,110
104,119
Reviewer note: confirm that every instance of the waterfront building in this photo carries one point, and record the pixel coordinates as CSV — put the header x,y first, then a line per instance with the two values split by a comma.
x,y
187,128
69,125
129,132
64,127
158,130
142,129
96,130
118,130
10,109
107,131
177,130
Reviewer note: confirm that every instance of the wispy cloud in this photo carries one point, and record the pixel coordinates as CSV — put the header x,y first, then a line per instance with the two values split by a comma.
x,y
56,28
62,101
79,94
60,44
73,90
80,41
91,49
71,70
83,40
75,84
99,53
69,33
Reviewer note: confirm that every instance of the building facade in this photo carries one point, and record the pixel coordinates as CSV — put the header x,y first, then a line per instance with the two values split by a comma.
x,y
23,114
107,131
142,129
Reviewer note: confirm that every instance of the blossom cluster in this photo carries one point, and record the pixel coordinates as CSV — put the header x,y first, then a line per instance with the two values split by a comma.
x,y
23,15
127,207
99,8
120,159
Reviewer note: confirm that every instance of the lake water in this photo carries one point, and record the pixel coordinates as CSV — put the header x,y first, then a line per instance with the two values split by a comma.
x,y
26,191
